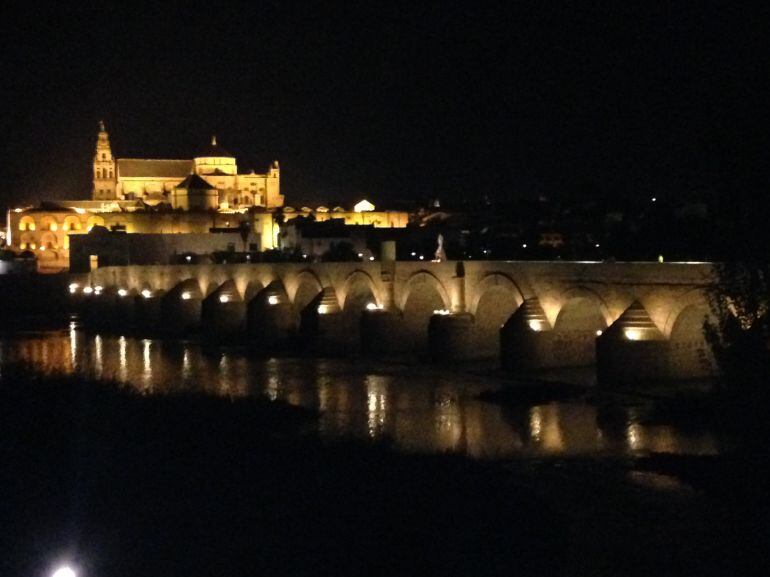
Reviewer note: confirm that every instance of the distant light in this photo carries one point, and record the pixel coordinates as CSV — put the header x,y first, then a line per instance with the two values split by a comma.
x,y
660,258
272,300
80,210
363,206
360,255
633,334
17,210
74,288
414,253
373,307
597,245
323,309
442,312
186,296
422,257
524,245
248,257
98,288
146,293
654,199
188,258
599,333
304,256
42,247
122,292
88,290
64,572
536,325
371,258
224,299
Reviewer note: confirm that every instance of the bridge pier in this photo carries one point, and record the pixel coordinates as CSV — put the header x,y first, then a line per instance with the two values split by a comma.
x,y
223,314
270,319
527,339
180,314
632,350
450,337
147,312
380,332
323,326
100,309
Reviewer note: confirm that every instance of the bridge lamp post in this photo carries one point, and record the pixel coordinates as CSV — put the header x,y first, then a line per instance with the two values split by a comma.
x,y
122,292
147,293
74,288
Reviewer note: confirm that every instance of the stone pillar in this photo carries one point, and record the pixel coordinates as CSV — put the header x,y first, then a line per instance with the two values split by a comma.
x,y
388,274
458,302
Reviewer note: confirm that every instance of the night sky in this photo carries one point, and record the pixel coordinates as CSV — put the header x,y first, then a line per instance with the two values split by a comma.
x,y
408,101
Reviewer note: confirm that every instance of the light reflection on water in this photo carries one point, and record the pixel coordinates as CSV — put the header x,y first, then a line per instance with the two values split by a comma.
x,y
419,408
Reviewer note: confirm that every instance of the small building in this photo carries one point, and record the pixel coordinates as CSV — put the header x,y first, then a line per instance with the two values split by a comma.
x,y
103,247
314,239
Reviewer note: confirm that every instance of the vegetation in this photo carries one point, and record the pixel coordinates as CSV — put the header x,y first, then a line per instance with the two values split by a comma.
x,y
740,339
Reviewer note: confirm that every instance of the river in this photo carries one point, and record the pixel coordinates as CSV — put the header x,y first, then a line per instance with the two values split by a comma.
x,y
418,407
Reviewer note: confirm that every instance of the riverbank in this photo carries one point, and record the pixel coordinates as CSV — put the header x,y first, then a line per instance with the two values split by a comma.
x,y
181,484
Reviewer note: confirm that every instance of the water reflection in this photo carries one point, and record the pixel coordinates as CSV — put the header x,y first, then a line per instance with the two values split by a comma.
x,y
419,409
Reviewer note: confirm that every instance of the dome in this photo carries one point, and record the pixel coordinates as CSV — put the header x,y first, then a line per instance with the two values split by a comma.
x,y
213,150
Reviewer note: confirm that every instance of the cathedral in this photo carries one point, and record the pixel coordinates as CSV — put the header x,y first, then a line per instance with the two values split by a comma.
x,y
210,181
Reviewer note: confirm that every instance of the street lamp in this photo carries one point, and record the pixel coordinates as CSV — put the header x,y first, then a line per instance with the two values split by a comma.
x,y
64,571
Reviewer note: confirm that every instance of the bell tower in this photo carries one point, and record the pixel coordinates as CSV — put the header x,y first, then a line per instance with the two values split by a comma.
x,y
105,179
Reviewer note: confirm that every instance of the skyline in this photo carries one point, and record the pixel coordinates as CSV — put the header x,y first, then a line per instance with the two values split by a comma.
x,y
399,102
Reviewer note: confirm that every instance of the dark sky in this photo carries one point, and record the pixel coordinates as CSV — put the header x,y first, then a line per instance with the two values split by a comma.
x,y
406,101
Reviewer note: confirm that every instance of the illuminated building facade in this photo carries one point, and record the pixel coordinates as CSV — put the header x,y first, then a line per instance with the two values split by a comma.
x,y
161,196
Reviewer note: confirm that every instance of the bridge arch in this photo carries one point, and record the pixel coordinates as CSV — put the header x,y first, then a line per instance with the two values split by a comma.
x,y
302,288
358,284
421,279
582,309
689,353
423,293
693,298
496,298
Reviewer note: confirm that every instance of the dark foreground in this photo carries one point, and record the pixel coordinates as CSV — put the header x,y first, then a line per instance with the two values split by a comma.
x,y
124,484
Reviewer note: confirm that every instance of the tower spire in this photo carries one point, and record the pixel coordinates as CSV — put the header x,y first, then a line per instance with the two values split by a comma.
x,y
213,140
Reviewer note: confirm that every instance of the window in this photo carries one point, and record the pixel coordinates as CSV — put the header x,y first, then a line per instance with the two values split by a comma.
x,y
104,156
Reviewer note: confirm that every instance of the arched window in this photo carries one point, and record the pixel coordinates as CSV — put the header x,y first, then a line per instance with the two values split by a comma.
x,y
110,173
71,223
27,223
95,221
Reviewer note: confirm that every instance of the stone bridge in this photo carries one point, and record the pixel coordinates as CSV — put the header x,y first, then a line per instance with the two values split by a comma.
x,y
635,320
